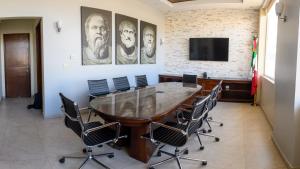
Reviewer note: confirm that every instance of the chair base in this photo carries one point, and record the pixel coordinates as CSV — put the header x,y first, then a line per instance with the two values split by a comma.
x,y
210,119
89,156
177,155
217,139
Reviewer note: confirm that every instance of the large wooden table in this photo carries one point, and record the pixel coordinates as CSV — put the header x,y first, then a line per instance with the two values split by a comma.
x,y
135,109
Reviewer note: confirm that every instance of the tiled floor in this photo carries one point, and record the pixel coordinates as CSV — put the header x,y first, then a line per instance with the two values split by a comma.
x,y
27,141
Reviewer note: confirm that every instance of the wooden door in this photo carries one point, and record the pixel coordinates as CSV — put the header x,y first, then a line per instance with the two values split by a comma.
x,y
17,67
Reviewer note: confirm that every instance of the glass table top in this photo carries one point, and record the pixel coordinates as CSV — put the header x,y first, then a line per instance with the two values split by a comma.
x,y
145,103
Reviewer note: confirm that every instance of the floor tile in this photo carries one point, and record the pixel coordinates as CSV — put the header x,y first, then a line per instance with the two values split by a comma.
x,y
27,141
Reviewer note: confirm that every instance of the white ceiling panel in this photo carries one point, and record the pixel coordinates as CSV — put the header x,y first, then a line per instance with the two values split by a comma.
x,y
165,5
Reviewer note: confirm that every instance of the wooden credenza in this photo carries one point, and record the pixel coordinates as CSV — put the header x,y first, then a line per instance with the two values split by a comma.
x,y
234,90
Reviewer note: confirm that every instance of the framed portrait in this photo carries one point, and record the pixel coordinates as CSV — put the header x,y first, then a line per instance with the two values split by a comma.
x,y
96,43
148,43
126,40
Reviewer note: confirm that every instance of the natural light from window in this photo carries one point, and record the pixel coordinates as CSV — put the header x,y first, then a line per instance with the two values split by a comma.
x,y
270,59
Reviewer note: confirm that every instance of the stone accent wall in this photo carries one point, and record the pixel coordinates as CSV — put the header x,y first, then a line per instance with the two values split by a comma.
x,y
235,24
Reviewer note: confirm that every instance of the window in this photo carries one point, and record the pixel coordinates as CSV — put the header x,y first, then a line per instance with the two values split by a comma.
x,y
271,42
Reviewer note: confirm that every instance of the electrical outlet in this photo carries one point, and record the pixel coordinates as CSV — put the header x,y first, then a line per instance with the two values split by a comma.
x,y
227,87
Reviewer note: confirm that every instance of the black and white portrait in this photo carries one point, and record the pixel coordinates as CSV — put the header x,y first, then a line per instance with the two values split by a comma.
x,y
126,40
96,36
148,43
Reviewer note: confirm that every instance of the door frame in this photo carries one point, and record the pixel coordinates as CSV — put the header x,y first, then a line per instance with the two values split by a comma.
x,y
32,85
29,60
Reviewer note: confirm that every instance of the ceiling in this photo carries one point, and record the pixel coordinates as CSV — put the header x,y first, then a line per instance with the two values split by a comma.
x,y
182,5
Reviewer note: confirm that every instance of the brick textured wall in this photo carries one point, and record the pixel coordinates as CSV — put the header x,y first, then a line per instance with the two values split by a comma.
x,y
235,24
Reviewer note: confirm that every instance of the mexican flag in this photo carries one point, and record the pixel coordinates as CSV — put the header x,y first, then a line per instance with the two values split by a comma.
x,y
253,66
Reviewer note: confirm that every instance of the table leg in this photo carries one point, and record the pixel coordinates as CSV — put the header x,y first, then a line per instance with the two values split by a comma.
x,y
140,149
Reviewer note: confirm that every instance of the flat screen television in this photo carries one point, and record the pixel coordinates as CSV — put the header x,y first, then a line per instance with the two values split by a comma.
x,y
209,49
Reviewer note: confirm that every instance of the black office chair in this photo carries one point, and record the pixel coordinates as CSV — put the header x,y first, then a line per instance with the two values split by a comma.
x,y
141,81
177,134
92,134
121,83
210,105
97,88
189,78
215,101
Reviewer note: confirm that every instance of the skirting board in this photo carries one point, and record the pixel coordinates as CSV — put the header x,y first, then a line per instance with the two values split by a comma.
x,y
58,115
282,155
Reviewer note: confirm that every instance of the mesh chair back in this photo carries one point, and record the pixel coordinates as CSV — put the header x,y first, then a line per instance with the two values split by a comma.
x,y
189,78
219,90
214,95
121,83
141,81
220,86
98,87
198,110
73,118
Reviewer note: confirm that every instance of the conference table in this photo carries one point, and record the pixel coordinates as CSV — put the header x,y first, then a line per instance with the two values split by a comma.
x,y
135,109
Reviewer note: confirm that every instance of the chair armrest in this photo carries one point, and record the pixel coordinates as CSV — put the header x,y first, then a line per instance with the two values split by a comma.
x,y
164,126
117,124
92,96
84,108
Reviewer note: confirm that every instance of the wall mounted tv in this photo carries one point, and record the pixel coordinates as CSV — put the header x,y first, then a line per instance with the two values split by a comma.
x,y
209,49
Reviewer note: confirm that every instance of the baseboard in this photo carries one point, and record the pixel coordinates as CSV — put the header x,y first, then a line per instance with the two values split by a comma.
x,y
283,155
54,116
266,117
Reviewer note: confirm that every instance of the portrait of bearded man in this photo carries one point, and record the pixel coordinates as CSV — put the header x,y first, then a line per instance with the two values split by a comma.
x,y
148,43
126,40
97,48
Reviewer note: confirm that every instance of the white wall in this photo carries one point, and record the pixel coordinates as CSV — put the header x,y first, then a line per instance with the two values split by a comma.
x,y
267,100
286,121
62,74
236,24
19,26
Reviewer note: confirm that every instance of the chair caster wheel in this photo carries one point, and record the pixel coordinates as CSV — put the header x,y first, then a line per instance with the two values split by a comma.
x,y
62,160
221,124
186,152
201,148
217,139
151,167
111,156
204,163
209,130
84,150
204,131
158,154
